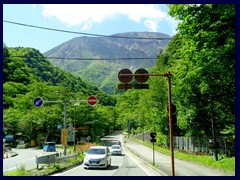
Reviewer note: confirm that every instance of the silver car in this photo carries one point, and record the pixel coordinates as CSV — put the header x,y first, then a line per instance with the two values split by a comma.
x,y
97,157
116,150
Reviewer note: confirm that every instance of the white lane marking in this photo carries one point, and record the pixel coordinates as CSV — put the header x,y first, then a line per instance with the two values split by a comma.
x,y
137,163
59,174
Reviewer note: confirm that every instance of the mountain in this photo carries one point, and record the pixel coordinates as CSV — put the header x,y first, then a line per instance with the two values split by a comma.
x,y
70,56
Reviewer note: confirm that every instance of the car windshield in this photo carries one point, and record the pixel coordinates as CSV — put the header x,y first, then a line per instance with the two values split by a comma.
x,y
115,147
50,144
96,151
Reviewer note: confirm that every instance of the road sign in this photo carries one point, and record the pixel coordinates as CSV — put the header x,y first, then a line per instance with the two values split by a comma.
x,y
59,126
141,79
153,140
153,135
92,100
125,86
64,136
38,102
135,86
125,79
141,86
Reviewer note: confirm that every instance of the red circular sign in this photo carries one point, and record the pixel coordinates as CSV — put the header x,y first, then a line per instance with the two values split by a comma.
x,y
92,100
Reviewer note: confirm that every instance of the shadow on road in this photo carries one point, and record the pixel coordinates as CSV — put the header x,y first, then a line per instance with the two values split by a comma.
x,y
108,168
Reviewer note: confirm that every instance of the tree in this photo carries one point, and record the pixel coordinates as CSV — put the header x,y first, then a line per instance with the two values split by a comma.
x,y
204,68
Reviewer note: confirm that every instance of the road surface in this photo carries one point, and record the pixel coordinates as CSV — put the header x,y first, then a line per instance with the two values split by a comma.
x,y
25,158
182,168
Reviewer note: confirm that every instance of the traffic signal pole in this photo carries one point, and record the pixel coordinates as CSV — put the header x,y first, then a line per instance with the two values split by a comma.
x,y
168,75
170,122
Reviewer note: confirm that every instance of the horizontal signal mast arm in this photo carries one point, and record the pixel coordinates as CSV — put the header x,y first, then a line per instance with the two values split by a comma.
x,y
166,74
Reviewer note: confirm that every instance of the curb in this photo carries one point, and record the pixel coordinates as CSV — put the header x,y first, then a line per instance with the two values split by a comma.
x,y
145,161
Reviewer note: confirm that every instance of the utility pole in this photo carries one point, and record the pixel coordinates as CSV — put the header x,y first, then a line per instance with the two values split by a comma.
x,y
170,122
65,125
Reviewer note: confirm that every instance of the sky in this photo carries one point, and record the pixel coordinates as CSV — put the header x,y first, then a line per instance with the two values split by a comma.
x,y
102,19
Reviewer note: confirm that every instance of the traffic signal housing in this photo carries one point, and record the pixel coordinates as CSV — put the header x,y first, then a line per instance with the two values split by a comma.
x,y
176,130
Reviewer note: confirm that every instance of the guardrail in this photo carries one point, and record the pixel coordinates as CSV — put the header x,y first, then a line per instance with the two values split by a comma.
x,y
53,158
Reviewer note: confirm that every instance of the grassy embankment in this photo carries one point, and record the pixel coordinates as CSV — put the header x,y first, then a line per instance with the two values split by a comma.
x,y
224,163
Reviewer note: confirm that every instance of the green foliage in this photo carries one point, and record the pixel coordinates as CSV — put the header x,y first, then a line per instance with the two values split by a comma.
x,y
19,172
203,65
28,74
201,59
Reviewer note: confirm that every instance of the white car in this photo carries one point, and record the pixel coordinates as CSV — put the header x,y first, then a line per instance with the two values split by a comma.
x,y
97,157
116,149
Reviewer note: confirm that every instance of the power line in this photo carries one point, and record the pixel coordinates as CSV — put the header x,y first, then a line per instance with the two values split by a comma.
x,y
88,34
86,59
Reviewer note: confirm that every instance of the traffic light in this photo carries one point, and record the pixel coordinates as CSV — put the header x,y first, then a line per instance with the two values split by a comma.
x,y
176,129
174,118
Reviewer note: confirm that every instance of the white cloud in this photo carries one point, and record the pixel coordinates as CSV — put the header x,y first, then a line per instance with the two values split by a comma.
x,y
86,15
173,24
151,24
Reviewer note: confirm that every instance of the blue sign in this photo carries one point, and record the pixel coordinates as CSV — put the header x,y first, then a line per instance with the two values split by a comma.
x,y
59,126
38,102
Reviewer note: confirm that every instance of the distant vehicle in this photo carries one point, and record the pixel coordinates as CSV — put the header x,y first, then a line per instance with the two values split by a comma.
x,y
109,141
116,150
97,157
49,146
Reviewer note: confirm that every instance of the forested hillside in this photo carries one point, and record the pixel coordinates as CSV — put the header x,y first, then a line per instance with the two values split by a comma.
x,y
27,75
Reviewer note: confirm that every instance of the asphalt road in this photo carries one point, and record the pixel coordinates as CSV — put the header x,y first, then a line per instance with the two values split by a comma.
x,y
182,168
120,166
125,165
25,158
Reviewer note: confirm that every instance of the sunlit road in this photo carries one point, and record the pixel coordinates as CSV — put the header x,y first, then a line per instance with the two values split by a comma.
x,y
120,166
25,158
124,165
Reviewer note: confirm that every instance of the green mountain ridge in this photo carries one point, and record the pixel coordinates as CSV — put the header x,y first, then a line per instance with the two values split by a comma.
x,y
100,73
